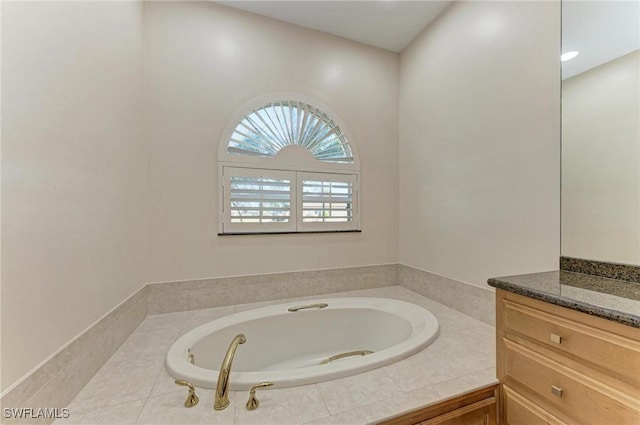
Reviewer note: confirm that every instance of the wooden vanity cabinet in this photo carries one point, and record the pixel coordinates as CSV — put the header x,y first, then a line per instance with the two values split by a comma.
x,y
559,366
474,408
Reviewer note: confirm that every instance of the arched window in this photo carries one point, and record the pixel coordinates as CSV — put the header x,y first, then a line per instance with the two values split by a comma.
x,y
286,166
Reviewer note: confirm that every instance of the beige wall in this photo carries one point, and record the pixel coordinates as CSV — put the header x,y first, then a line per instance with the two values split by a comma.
x,y
479,153
73,171
479,142
601,162
204,61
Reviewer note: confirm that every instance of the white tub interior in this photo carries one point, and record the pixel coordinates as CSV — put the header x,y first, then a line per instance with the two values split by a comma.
x,y
287,347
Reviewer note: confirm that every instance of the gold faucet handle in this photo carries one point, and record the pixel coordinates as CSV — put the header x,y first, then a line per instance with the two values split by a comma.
x,y
253,403
192,398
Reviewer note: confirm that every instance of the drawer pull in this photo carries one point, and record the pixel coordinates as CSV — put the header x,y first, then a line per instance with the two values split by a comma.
x,y
556,339
556,391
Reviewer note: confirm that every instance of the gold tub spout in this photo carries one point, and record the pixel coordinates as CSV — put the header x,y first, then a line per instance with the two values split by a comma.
x,y
222,391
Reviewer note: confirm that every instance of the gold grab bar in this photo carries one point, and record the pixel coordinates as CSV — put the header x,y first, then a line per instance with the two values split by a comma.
x,y
304,307
347,354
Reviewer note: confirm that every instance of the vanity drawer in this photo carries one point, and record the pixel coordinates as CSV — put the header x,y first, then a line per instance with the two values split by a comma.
x,y
578,396
605,350
520,411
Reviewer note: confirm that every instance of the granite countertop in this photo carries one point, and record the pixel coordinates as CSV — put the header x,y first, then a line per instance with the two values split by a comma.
x,y
612,299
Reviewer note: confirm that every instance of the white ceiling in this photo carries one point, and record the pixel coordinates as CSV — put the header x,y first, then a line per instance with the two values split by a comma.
x,y
600,30
389,24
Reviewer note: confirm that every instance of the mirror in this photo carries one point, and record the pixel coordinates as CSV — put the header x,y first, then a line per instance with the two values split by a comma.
x,y
601,131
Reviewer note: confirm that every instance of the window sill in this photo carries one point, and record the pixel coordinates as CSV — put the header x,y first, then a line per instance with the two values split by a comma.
x,y
287,233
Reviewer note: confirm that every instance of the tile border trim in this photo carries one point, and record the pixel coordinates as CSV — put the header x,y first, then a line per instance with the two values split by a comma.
x,y
197,294
475,301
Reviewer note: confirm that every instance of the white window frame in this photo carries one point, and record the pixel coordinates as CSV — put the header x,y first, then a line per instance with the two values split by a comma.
x,y
297,163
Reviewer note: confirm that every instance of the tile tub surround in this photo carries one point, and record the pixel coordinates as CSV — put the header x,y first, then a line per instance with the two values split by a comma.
x,y
59,379
476,301
133,387
615,300
617,271
205,293
169,297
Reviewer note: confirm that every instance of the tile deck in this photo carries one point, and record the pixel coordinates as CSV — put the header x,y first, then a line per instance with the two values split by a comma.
x,y
134,388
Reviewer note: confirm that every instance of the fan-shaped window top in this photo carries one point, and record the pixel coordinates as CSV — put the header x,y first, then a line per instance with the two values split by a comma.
x,y
272,127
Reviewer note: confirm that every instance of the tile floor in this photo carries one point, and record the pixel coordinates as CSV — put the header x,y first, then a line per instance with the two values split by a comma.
x,y
133,387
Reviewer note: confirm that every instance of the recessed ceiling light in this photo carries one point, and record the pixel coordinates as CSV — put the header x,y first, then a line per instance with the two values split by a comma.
x,y
568,56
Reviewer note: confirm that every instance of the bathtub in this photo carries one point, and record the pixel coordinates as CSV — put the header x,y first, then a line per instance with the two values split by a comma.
x,y
318,341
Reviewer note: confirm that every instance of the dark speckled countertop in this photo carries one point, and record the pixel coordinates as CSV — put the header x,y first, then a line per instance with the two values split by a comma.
x,y
612,299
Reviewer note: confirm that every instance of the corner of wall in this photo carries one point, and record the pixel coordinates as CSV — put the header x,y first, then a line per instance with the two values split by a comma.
x,y
471,300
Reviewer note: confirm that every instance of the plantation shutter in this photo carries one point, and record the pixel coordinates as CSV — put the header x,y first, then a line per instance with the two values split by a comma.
x,y
327,201
256,200
266,130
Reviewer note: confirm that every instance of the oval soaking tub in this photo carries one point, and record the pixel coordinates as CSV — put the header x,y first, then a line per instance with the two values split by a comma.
x,y
306,346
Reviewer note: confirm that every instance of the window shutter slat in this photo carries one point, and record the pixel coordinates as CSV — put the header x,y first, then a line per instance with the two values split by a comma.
x,y
327,201
254,200
271,127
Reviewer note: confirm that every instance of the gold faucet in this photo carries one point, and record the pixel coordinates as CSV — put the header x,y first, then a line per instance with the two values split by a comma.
x,y
253,403
222,391
192,398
